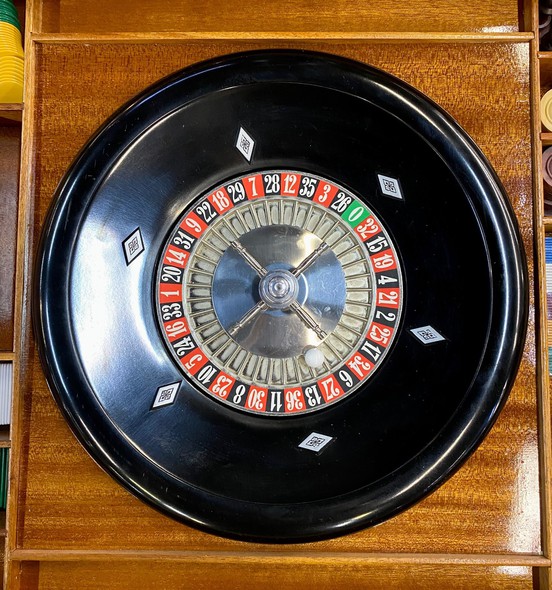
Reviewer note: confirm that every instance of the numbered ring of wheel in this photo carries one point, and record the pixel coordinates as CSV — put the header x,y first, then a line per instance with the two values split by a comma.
x,y
279,293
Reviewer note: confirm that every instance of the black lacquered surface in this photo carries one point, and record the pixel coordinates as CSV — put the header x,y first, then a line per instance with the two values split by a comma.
x,y
415,420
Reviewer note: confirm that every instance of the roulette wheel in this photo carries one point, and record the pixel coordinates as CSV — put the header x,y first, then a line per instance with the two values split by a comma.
x,y
280,296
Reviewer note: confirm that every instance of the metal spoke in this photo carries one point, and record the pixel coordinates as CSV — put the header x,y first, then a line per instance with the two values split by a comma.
x,y
309,260
308,320
252,313
256,266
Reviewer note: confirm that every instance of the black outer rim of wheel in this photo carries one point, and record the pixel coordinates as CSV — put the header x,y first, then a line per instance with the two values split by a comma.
x,y
284,521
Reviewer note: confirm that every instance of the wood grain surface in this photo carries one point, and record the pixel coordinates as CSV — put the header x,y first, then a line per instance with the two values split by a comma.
x,y
491,506
9,177
236,576
103,16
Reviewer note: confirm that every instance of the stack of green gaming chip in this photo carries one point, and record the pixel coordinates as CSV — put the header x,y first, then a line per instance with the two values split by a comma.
x,y
8,13
11,54
4,458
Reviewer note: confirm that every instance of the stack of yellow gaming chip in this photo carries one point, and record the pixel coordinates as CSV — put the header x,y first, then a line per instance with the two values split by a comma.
x,y
11,54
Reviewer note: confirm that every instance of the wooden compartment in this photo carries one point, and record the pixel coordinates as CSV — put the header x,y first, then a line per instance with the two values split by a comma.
x,y
288,16
10,142
490,506
130,575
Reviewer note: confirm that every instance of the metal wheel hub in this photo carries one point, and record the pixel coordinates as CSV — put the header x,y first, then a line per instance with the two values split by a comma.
x,y
279,289
276,331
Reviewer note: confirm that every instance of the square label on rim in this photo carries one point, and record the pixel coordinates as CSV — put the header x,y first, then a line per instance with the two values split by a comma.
x,y
133,246
390,186
427,334
315,442
245,144
166,395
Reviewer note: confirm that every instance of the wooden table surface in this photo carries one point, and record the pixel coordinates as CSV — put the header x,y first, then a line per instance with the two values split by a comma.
x,y
490,506
73,527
